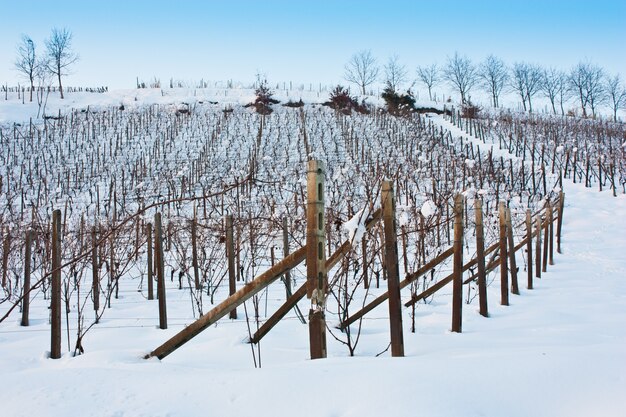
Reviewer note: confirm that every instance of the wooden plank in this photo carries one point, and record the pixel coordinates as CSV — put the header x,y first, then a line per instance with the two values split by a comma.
x,y
512,251
222,309
317,278
230,254
55,305
26,286
504,275
405,282
457,274
529,249
160,267
393,270
480,259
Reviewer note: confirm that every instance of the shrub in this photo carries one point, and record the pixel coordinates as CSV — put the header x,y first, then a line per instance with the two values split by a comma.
x,y
341,101
470,110
398,104
264,98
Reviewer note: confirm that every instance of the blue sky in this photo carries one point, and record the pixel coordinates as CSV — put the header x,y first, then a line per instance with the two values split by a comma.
x,y
308,41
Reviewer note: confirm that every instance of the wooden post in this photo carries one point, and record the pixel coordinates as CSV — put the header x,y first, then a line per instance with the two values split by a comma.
x,y
95,282
5,256
457,280
504,276
546,226
550,215
55,305
230,253
150,262
529,248
560,221
480,259
194,251
316,258
285,254
160,266
393,270
511,248
538,247
26,286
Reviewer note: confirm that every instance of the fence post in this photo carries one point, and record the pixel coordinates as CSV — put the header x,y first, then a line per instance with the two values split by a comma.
x,y
457,280
504,276
194,250
55,304
560,221
285,254
150,262
26,286
316,258
480,258
512,261
393,271
529,248
5,256
95,282
538,247
160,266
550,215
230,253
546,231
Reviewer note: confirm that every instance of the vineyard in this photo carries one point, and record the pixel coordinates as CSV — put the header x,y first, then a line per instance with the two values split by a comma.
x,y
234,177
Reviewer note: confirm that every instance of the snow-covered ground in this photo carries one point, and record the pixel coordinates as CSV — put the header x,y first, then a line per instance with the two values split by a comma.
x,y
557,350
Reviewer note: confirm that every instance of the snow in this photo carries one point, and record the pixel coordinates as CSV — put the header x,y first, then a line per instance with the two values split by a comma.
x,y
557,350
429,208
356,226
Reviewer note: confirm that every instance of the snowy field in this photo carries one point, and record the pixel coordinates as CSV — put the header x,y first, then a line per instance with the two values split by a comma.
x,y
557,350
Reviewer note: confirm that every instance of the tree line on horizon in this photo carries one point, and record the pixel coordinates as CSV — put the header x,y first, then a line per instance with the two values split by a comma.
x,y
587,84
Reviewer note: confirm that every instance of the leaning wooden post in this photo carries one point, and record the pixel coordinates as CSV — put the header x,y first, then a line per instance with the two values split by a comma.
x,y
457,272
511,246
316,258
546,231
504,276
560,221
550,215
529,248
26,286
538,247
393,270
480,259
150,262
95,281
160,266
55,305
230,253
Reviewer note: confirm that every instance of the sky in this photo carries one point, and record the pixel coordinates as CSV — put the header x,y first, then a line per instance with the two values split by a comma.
x,y
307,41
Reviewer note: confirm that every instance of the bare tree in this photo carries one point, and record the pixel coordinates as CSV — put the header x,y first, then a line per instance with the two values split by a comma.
x,y
26,62
526,81
60,54
362,69
461,74
554,87
395,73
616,93
586,82
494,76
596,93
429,76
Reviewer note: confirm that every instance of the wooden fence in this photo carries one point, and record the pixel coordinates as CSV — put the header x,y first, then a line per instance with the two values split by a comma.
x,y
316,287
